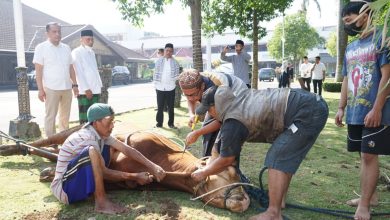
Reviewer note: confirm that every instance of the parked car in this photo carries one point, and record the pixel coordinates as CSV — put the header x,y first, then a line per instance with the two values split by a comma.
x,y
266,74
32,80
120,75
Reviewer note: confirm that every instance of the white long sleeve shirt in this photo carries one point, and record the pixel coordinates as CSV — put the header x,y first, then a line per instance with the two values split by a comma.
x,y
87,73
167,83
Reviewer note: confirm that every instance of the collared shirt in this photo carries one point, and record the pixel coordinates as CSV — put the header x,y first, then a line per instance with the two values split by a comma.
x,y
304,70
87,73
240,63
318,72
56,61
73,145
167,83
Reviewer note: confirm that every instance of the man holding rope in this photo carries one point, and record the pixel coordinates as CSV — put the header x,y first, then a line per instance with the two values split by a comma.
x,y
290,119
83,161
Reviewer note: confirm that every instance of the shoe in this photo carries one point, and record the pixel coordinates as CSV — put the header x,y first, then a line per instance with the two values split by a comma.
x,y
158,125
172,126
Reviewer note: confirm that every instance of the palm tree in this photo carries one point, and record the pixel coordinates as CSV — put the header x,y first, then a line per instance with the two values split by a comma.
x,y
305,4
196,25
342,40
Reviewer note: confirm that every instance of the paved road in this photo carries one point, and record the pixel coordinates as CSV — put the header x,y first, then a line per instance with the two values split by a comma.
x,y
121,98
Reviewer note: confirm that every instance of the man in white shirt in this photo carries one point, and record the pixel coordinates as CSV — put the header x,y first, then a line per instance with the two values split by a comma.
x,y
318,75
55,78
305,71
165,76
87,74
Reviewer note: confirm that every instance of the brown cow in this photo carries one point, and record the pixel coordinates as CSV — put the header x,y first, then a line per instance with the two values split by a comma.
x,y
170,157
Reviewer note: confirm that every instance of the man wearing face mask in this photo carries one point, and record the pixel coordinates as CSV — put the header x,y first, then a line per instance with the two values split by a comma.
x,y
240,62
366,71
87,74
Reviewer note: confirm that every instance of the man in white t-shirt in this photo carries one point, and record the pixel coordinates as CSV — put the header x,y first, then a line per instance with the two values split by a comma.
x,y
305,72
55,78
87,74
318,75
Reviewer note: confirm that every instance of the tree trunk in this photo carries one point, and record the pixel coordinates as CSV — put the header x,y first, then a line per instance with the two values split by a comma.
x,y
196,25
255,49
342,40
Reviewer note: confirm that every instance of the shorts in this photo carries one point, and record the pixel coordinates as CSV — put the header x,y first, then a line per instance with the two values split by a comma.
x,y
291,146
78,181
369,140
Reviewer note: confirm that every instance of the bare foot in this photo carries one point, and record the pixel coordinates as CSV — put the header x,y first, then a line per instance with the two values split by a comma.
x,y
362,213
266,216
355,202
108,207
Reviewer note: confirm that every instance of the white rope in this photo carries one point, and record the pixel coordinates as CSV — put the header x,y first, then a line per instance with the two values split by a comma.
x,y
222,187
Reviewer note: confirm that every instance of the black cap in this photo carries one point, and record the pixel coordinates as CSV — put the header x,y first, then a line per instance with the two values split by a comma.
x,y
240,42
207,100
169,45
88,33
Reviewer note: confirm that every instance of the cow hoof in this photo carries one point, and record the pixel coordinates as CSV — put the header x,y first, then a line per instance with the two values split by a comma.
x,y
47,174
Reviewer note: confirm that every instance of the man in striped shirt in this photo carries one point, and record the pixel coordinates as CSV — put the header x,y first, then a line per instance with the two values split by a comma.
x,y
83,161
240,61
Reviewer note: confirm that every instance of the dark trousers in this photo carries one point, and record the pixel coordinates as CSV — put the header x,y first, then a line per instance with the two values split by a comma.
x,y
317,83
307,81
208,139
168,98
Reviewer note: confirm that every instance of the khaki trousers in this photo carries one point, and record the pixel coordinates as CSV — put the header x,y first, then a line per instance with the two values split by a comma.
x,y
57,101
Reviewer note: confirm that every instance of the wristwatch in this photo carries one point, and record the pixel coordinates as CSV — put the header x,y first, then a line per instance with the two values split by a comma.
x,y
74,86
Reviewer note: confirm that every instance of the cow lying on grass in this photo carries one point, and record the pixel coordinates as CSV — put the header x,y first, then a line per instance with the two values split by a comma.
x,y
178,166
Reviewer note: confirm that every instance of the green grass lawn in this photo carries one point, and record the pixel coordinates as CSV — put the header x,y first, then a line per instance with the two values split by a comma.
x,y
327,178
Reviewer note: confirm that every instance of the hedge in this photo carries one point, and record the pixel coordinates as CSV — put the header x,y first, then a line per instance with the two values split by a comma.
x,y
332,86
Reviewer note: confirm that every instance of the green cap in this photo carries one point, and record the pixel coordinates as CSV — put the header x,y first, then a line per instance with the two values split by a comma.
x,y
98,111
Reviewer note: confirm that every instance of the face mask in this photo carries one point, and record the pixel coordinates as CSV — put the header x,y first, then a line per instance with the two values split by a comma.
x,y
352,29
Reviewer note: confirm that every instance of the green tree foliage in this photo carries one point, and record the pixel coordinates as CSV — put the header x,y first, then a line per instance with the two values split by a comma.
x,y
299,38
243,17
331,44
305,4
238,15
135,11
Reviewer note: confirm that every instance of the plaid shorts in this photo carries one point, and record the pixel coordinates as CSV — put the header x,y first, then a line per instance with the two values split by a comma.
x,y
84,104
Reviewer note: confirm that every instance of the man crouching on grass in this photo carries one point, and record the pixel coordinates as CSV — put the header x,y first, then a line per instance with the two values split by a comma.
x,y
83,161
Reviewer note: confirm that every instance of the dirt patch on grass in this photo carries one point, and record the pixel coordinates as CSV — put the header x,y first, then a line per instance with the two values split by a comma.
x,y
49,214
170,209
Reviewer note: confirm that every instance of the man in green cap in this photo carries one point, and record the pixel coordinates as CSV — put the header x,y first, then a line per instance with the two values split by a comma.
x,y
83,161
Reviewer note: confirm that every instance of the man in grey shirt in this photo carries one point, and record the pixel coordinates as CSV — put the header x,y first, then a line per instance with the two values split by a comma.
x,y
240,61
